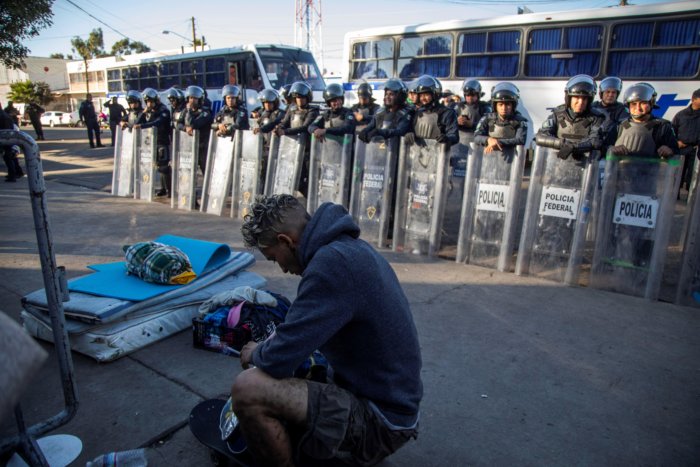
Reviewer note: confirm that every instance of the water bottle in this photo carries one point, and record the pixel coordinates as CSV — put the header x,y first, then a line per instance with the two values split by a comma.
x,y
133,458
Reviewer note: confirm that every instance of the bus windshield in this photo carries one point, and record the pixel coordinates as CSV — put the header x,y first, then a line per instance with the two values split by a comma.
x,y
285,66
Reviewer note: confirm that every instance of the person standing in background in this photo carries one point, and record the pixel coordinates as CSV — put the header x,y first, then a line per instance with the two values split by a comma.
x,y
88,116
116,113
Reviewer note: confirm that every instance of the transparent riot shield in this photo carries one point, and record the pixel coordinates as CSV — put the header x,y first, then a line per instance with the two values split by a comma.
x,y
372,191
556,218
636,210
184,162
123,173
490,207
420,197
284,167
329,171
688,292
217,175
145,163
459,155
247,172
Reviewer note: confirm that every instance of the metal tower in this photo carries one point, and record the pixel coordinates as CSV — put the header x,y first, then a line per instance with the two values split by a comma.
x,y
308,22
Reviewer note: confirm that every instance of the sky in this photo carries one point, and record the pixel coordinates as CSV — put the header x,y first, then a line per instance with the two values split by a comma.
x,y
233,22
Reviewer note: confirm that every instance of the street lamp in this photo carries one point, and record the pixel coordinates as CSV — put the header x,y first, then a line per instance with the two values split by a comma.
x,y
165,31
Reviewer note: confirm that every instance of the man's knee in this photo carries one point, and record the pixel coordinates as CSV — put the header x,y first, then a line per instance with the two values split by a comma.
x,y
247,387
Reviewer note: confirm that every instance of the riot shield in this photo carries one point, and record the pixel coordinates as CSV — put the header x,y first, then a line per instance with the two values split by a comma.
x,y
490,207
123,173
556,218
217,176
145,163
247,168
372,191
459,155
284,167
420,197
184,162
688,292
329,171
636,209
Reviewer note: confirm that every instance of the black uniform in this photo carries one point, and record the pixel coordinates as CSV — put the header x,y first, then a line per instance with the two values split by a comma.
x,y
9,156
13,113
614,115
367,112
34,112
574,135
436,121
474,112
234,118
387,124
89,116
644,138
686,123
131,117
116,113
200,120
159,117
510,131
337,123
297,121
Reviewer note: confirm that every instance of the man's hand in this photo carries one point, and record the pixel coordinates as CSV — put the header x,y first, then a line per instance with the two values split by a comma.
x,y
565,151
320,133
222,128
256,130
492,144
247,354
137,126
619,150
463,120
681,144
410,138
664,152
358,116
189,130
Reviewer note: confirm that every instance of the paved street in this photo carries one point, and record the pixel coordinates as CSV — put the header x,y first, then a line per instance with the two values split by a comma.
x,y
516,370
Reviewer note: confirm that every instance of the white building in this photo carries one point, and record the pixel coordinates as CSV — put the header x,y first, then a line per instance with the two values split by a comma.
x,y
49,70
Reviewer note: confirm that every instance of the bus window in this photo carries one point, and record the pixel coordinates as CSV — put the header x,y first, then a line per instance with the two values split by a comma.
x,y
416,56
651,50
169,75
373,59
492,54
215,74
131,79
192,73
285,66
114,80
564,52
148,76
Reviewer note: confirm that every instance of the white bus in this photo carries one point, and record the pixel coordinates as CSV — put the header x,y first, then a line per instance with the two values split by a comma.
x,y
253,67
539,52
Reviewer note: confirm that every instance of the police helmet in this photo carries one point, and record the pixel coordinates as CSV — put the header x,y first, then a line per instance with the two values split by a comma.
x,y
174,94
230,90
397,87
505,92
284,91
150,94
364,90
133,97
472,86
580,86
301,89
428,84
333,91
611,82
640,92
196,92
269,95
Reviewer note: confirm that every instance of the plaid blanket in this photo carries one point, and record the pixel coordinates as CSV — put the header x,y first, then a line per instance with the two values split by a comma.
x,y
158,263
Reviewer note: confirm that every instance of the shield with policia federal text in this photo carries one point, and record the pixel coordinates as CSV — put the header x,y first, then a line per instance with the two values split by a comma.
x,y
123,173
284,164
557,213
459,155
145,163
636,212
372,191
487,233
184,163
329,171
247,172
217,176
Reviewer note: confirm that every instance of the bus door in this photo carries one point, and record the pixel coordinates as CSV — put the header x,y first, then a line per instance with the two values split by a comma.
x,y
243,71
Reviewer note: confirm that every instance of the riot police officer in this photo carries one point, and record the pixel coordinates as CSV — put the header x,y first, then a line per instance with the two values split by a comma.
x,y
393,119
505,126
473,108
157,115
432,120
643,134
574,128
197,117
336,120
133,100
177,104
365,108
233,115
615,112
271,114
413,101
286,97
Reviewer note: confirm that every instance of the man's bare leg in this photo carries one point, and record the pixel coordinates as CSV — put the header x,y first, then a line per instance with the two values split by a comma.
x,y
262,404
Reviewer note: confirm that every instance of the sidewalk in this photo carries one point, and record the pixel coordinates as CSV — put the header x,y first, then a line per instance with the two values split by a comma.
x,y
516,370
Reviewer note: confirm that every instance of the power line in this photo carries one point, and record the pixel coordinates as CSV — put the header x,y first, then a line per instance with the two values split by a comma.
x,y
97,19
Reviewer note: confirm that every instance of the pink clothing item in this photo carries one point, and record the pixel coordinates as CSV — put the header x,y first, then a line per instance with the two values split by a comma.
x,y
234,315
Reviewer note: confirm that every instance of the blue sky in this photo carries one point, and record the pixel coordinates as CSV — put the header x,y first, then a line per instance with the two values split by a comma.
x,y
236,22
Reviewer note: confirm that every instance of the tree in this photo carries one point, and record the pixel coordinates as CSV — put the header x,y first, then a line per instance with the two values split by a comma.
x,y
88,49
60,55
26,91
21,20
127,47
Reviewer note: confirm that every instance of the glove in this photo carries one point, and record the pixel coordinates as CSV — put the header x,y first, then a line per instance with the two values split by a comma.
x,y
363,136
410,138
567,149
441,138
383,133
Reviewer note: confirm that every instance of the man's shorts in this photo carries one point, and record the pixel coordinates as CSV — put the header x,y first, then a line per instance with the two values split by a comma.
x,y
345,427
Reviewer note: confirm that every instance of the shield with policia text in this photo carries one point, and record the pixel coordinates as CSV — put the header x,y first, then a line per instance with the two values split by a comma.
x,y
420,197
217,176
145,163
636,212
184,163
329,171
557,213
490,210
372,191
459,155
688,292
284,164
247,172
123,173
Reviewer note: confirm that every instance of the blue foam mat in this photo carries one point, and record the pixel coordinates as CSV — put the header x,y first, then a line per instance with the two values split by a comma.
x,y
111,280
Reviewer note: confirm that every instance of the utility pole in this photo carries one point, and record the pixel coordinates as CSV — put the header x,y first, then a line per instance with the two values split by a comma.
x,y
308,27
194,37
